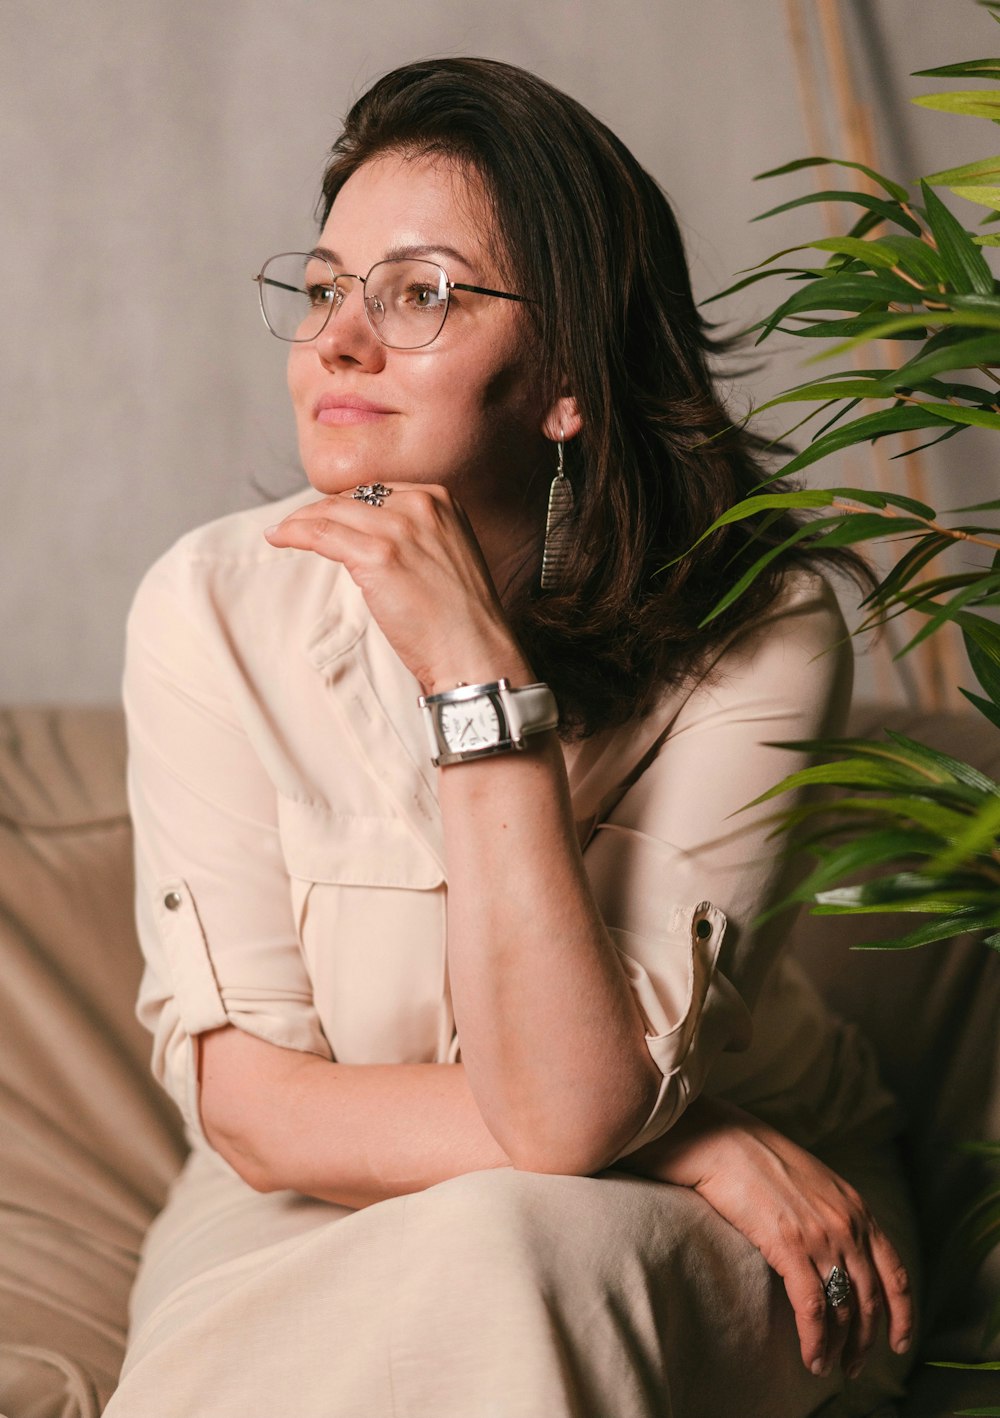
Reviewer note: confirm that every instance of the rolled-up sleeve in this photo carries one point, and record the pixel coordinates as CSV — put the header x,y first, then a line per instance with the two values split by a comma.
x,y
214,909
680,873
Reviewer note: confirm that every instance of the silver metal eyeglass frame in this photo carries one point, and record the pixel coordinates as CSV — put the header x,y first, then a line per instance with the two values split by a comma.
x,y
446,284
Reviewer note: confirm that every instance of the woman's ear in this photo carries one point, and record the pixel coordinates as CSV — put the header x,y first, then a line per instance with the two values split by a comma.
x,y
563,419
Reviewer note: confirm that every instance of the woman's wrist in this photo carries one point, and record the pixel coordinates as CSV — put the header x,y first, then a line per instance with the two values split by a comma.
x,y
709,1136
479,665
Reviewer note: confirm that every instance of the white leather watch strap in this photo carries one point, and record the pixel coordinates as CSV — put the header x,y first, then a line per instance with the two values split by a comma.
x,y
530,710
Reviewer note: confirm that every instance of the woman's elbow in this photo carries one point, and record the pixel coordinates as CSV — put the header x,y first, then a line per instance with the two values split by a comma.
x,y
594,1144
224,1072
234,1149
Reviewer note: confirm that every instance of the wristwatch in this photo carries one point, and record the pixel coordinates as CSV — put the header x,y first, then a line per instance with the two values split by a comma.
x,y
479,720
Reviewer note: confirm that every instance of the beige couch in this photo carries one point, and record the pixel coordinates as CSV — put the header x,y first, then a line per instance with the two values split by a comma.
x,y
90,1143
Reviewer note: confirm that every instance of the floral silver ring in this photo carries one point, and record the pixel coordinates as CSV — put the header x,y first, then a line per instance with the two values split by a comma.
x,y
374,494
837,1288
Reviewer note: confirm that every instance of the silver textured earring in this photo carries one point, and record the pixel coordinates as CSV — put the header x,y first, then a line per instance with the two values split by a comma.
x,y
555,553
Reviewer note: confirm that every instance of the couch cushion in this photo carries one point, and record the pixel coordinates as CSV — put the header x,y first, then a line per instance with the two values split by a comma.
x,y
90,1141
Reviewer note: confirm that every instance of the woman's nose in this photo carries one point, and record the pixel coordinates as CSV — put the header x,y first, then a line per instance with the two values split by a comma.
x,y
348,335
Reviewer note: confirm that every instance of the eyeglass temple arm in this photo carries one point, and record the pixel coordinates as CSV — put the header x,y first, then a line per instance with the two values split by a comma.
x,y
482,290
280,285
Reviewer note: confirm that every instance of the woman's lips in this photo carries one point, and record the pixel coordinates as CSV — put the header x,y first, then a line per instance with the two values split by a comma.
x,y
340,409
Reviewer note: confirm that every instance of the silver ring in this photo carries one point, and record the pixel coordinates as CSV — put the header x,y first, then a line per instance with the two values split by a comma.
x,y
374,494
837,1287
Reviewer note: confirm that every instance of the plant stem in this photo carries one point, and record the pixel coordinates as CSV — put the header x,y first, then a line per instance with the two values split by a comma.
x,y
953,532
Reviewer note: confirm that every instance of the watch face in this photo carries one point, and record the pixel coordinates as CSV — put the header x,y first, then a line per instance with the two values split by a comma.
x,y
472,723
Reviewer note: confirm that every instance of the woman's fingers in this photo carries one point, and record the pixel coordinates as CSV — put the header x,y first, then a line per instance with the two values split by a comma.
x,y
805,1293
895,1289
416,562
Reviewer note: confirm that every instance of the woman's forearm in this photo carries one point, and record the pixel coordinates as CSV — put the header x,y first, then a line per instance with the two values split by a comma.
x,y
352,1134
551,1036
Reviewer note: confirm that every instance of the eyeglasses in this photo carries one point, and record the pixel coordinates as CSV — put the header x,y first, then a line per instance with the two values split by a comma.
x,y
406,301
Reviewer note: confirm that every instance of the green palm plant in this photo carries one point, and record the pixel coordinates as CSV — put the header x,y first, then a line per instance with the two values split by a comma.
x,y
927,822
912,829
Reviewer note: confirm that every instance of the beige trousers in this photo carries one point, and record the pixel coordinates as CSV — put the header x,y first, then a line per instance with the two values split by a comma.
x,y
498,1294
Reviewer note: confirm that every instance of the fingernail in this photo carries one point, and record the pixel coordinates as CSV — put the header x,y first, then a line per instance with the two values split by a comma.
x,y
820,1369
855,1369
270,531
902,1345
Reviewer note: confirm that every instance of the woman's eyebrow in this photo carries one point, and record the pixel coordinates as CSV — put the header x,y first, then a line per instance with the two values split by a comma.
x,y
403,253
407,253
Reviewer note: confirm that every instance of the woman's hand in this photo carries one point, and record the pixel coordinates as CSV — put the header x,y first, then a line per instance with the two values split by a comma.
x,y
801,1216
420,569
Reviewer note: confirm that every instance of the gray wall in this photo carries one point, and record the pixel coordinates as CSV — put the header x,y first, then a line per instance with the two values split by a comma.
x,y
152,153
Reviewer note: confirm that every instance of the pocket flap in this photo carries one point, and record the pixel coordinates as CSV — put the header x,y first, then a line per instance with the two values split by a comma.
x,y
349,850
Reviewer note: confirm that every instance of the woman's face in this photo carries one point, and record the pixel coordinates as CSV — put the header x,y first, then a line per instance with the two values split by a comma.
x,y
465,411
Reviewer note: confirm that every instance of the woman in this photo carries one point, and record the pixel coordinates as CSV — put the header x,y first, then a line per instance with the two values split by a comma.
x,y
324,701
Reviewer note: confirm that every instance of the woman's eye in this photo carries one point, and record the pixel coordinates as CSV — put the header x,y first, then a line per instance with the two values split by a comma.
x,y
322,295
423,297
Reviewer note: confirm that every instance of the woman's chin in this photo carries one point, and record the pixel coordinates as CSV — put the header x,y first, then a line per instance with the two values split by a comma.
x,y
332,474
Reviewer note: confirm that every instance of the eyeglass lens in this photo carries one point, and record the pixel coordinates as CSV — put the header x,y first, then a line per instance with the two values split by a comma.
x,y
405,301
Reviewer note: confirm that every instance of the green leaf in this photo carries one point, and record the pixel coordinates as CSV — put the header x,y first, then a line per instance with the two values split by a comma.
x,y
878,206
749,576
872,253
979,836
976,103
946,928
948,176
892,328
986,707
910,564
955,413
906,755
883,499
916,257
893,188
922,755
964,262
852,773
972,592
831,389
918,893
961,354
984,660
982,196
836,292
946,1364
935,819
967,69
860,330
758,276
864,430
951,432
987,240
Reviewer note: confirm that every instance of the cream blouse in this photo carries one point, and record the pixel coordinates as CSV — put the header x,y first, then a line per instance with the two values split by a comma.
x,y
290,872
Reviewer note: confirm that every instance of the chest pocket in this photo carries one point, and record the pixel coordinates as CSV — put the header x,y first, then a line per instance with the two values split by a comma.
x,y
369,901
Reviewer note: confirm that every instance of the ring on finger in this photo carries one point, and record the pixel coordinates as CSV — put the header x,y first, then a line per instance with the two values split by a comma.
x,y
837,1288
374,494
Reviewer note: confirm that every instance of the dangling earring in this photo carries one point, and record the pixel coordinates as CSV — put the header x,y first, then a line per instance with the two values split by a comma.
x,y
555,553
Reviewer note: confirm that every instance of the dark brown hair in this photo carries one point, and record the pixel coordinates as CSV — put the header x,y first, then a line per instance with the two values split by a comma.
x,y
590,235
